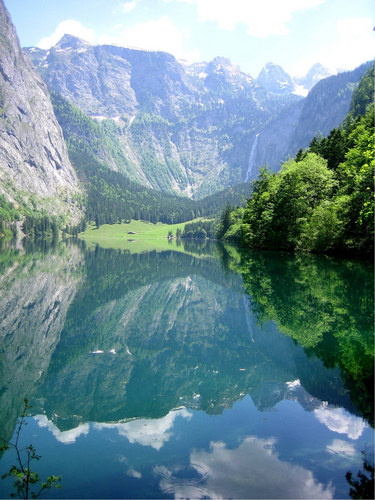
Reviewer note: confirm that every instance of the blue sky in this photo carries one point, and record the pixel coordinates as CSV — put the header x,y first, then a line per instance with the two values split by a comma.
x,y
292,33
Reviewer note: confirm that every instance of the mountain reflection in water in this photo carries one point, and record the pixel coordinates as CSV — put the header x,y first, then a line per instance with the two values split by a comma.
x,y
219,361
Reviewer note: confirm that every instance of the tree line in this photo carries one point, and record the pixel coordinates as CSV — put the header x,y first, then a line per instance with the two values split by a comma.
x,y
322,200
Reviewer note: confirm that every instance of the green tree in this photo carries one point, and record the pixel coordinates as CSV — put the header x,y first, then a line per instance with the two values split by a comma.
x,y
225,221
259,211
363,485
26,482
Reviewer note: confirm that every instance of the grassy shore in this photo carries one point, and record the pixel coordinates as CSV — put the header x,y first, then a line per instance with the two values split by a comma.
x,y
136,236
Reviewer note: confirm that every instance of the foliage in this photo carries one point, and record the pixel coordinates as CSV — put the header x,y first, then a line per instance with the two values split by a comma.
x,y
323,200
225,222
24,478
35,223
234,231
324,304
363,485
8,214
283,203
363,95
201,229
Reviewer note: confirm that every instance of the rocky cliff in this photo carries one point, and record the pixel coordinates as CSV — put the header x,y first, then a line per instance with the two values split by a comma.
x,y
323,109
192,130
184,129
33,155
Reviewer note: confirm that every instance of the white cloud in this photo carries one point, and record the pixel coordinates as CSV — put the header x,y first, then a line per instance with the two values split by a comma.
x,y
147,432
71,27
66,437
354,41
262,19
241,472
133,473
342,448
160,34
128,6
340,421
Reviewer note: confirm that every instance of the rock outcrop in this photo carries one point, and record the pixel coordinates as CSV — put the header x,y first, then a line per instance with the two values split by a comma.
x,y
33,154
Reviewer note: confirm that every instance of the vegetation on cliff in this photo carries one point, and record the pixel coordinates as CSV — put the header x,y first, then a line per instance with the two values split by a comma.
x,y
322,200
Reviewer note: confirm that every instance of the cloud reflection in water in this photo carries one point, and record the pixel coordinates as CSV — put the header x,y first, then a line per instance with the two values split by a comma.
x,y
253,470
148,432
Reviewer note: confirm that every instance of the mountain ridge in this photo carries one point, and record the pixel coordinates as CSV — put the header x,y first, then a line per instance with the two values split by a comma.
x,y
186,129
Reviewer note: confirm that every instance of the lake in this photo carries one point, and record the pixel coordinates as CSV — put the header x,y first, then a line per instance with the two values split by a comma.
x,y
202,371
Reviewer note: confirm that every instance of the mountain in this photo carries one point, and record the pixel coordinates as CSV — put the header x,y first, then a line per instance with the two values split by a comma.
x,y
190,130
182,129
195,129
221,77
274,79
323,109
35,168
316,73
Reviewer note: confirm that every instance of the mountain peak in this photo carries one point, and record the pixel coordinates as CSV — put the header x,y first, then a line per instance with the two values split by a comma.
x,y
316,73
71,41
224,61
274,79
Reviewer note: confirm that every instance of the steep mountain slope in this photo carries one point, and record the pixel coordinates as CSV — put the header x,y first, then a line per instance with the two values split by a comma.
x,y
275,79
192,130
183,129
33,155
324,108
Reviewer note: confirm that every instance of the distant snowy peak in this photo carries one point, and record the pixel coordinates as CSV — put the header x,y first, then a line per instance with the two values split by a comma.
x,y
72,43
313,76
274,79
221,74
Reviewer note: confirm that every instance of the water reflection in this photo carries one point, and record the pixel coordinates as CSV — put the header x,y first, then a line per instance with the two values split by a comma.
x,y
242,472
158,353
36,290
325,305
149,333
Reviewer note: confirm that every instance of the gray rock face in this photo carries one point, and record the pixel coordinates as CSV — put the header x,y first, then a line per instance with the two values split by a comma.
x,y
34,299
33,155
186,129
274,79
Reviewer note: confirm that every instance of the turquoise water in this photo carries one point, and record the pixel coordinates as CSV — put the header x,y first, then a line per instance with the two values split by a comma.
x,y
200,374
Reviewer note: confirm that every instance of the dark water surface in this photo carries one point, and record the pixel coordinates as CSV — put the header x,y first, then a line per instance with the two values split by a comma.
x,y
209,373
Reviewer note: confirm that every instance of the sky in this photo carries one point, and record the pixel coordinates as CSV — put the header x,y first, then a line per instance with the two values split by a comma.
x,y
292,33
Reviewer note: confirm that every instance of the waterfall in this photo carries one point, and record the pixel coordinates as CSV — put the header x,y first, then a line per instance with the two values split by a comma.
x,y
252,159
246,303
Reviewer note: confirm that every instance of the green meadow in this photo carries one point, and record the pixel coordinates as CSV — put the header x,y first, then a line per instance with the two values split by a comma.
x,y
135,236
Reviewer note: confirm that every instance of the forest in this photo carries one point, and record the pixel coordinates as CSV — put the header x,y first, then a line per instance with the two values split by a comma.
x,y
112,195
321,201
